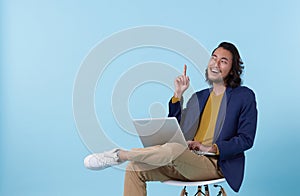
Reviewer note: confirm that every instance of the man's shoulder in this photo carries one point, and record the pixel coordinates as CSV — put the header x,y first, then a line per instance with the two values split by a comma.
x,y
206,90
239,89
242,89
202,93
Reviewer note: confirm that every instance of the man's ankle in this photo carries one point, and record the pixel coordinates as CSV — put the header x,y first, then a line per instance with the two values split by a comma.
x,y
122,154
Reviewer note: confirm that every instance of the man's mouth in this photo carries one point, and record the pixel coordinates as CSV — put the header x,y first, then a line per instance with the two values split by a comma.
x,y
215,70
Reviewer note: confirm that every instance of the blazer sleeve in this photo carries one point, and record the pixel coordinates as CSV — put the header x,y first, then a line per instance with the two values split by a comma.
x,y
239,132
188,118
175,109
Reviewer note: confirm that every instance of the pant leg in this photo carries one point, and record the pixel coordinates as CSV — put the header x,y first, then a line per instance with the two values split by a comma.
x,y
156,156
197,167
189,164
154,164
136,177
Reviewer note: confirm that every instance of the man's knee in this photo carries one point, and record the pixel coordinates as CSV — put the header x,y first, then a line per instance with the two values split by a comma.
x,y
175,149
139,167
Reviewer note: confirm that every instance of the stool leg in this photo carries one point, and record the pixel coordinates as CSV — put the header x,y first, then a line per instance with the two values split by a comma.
x,y
222,190
183,192
206,190
199,191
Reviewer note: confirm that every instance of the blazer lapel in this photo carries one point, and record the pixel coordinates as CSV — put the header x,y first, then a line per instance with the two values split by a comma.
x,y
228,93
222,113
202,98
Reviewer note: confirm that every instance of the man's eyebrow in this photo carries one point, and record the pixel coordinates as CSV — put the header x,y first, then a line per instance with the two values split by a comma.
x,y
223,58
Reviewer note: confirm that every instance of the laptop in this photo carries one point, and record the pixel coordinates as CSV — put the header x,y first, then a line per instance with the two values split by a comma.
x,y
158,131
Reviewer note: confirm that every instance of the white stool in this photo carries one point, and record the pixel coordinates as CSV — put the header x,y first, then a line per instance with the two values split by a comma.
x,y
199,184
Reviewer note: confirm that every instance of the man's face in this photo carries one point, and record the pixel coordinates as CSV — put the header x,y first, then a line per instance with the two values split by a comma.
x,y
219,65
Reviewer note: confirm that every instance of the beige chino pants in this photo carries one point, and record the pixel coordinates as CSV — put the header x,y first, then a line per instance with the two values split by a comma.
x,y
170,161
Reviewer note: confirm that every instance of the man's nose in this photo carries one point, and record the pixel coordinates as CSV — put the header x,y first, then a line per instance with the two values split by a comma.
x,y
217,63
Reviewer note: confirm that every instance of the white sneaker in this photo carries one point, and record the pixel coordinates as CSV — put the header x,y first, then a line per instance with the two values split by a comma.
x,y
103,160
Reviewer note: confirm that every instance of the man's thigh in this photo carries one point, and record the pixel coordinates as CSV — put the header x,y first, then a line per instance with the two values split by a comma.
x,y
197,167
150,173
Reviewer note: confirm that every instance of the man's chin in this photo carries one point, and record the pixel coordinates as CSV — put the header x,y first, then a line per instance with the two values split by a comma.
x,y
216,80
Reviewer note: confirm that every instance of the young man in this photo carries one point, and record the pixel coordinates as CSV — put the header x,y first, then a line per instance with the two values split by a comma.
x,y
221,120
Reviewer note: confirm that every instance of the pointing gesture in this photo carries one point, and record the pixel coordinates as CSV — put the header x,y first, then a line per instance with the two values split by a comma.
x,y
181,83
184,70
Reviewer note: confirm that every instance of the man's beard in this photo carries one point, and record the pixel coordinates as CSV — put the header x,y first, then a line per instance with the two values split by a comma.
x,y
218,80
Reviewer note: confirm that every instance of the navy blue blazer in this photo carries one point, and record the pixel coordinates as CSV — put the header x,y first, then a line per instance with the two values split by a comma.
x,y
235,127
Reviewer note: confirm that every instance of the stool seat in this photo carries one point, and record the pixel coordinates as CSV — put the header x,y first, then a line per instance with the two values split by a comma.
x,y
193,183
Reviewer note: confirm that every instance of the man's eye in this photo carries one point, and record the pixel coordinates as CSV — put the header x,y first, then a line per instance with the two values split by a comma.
x,y
224,62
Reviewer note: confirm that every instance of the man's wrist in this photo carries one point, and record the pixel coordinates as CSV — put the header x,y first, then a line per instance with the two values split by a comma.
x,y
204,148
175,100
177,95
212,149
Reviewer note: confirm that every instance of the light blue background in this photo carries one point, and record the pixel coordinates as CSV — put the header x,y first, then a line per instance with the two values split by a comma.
x,y
44,42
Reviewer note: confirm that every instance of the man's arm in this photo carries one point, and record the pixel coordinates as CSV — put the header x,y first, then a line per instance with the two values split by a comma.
x,y
181,83
242,138
175,109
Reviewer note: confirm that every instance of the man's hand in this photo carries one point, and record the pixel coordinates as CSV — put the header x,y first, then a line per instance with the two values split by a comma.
x,y
181,84
195,145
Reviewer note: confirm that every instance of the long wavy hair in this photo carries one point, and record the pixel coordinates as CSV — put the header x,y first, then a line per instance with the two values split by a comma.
x,y
233,79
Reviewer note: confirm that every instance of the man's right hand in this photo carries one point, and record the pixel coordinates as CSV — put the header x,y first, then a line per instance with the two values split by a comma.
x,y
194,145
181,84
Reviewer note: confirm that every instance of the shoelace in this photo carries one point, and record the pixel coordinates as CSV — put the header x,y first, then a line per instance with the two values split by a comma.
x,y
106,162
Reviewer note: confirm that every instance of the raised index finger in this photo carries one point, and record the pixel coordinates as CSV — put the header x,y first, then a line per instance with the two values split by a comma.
x,y
184,70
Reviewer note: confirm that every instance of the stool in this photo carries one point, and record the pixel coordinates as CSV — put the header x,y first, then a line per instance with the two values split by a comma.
x,y
199,184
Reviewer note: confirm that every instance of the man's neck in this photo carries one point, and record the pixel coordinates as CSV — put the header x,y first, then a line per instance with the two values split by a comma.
x,y
219,88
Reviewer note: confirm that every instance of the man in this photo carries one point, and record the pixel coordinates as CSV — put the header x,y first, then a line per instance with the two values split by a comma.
x,y
220,120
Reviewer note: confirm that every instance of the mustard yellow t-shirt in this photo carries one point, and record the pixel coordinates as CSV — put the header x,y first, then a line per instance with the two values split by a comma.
x,y
208,121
